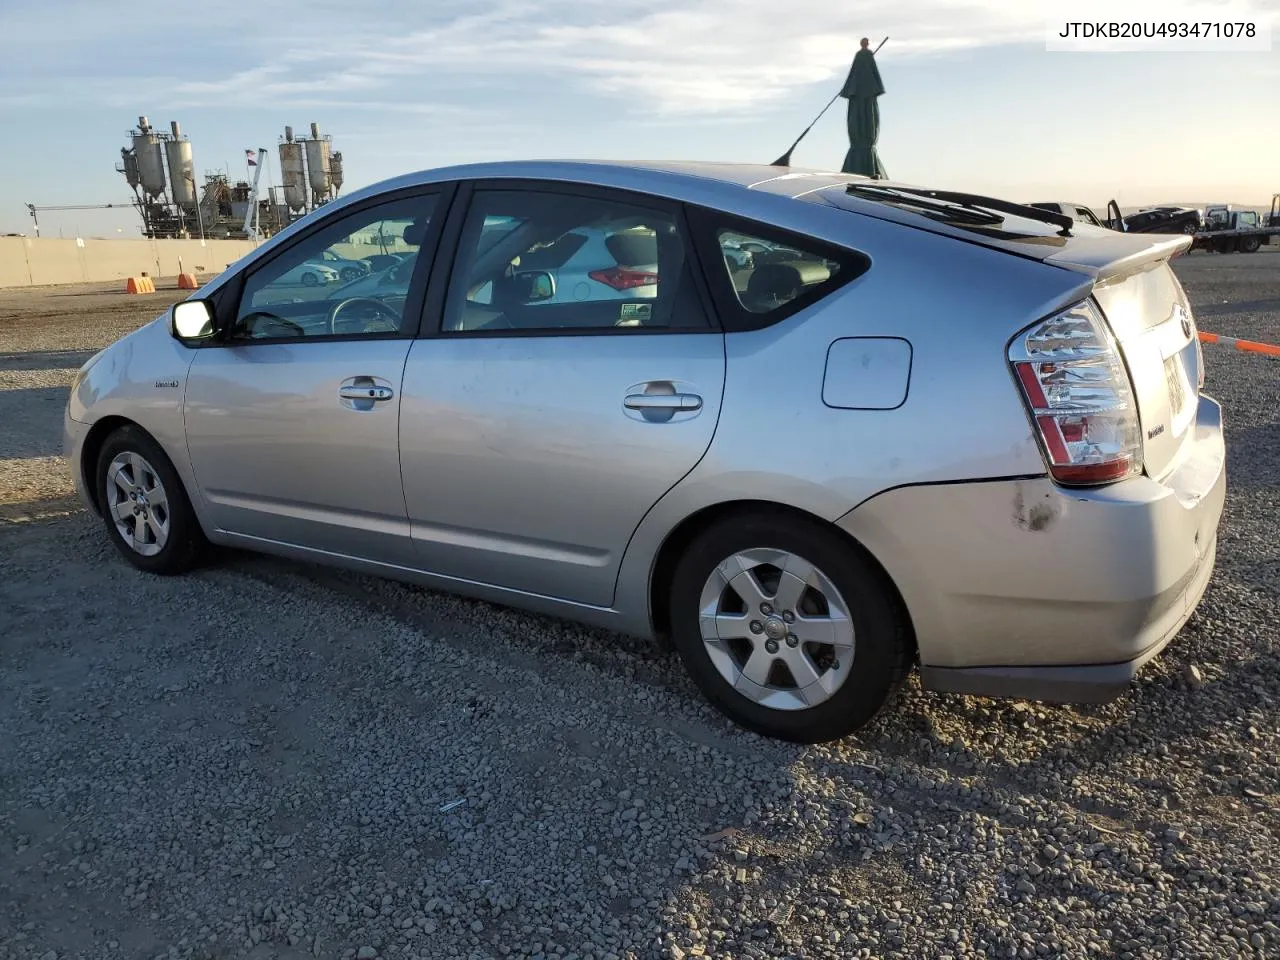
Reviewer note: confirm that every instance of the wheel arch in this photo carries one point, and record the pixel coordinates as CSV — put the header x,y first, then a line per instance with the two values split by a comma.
x,y
92,447
684,533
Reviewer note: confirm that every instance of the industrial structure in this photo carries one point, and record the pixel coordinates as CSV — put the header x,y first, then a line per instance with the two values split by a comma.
x,y
309,169
160,169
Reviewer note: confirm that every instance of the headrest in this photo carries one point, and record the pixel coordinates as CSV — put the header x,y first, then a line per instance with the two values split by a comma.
x,y
415,233
783,281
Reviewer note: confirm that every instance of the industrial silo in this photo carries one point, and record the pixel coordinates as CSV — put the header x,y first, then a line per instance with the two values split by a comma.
x,y
318,165
291,171
129,167
182,183
335,171
149,153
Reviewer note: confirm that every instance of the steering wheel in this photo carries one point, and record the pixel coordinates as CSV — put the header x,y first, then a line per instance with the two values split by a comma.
x,y
374,314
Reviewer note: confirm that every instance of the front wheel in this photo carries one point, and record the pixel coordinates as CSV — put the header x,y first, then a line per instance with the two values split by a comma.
x,y
144,505
786,628
1250,244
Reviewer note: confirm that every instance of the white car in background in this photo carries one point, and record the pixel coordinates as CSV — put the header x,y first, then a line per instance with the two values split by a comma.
x,y
311,273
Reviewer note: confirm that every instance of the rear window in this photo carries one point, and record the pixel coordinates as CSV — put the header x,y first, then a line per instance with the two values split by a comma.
x,y
767,276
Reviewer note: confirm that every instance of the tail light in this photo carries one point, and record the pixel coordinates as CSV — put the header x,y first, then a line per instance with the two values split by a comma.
x,y
620,278
1079,396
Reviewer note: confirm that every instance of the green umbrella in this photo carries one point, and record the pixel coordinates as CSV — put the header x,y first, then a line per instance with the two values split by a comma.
x,y
862,89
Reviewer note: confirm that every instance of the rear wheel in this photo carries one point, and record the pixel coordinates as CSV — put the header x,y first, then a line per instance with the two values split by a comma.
x,y
786,628
144,505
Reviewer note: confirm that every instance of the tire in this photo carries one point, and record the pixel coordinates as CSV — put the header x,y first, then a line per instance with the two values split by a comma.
x,y
350,273
1250,244
881,654
310,280
129,455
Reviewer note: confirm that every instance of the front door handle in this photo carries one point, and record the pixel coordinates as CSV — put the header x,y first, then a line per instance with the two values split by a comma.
x,y
663,401
372,392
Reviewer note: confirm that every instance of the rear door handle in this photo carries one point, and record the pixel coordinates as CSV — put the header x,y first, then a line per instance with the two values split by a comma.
x,y
663,401
349,392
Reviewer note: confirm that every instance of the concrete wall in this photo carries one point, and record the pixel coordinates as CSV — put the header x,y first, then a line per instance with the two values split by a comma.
x,y
38,261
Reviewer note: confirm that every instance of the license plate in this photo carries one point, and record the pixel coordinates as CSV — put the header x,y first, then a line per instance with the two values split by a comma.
x,y
1177,390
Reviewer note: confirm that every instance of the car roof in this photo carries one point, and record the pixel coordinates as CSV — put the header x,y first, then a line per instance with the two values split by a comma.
x,y
675,177
745,188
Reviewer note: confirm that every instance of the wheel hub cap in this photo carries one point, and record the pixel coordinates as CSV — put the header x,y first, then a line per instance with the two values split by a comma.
x,y
137,503
777,629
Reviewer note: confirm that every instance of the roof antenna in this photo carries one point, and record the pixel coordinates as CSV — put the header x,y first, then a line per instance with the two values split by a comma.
x,y
785,159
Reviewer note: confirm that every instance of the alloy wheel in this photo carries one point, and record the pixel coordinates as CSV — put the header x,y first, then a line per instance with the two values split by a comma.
x,y
777,629
137,503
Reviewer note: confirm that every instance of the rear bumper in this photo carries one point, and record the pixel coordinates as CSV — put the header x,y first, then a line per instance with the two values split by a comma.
x,y
1021,588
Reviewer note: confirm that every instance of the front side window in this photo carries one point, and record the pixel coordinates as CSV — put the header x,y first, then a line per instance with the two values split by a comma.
x,y
350,278
555,262
767,275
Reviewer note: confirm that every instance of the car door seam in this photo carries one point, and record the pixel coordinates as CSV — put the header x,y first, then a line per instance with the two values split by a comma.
x,y
724,379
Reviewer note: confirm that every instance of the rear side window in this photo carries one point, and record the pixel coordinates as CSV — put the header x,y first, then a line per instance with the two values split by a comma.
x,y
768,276
559,262
760,274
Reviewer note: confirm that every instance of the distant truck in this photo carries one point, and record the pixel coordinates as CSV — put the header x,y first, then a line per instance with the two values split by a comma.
x,y
1222,229
1153,220
1227,230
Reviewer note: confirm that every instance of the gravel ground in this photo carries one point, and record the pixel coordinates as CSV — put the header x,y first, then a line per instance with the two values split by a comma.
x,y
266,759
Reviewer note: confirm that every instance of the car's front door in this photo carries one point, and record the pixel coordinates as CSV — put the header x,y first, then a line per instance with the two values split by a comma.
x,y
548,413
292,419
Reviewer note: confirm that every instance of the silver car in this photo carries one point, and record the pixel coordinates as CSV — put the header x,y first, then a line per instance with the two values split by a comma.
x,y
914,427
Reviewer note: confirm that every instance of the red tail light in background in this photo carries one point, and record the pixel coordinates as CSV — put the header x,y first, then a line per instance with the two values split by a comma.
x,y
1078,393
620,278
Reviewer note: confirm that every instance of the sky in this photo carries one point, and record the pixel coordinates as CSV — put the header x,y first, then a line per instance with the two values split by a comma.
x,y
973,100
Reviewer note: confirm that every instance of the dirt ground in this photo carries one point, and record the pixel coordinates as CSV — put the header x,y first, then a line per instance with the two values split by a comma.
x,y
267,759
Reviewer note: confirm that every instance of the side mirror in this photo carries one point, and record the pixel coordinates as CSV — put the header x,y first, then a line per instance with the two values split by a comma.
x,y
191,320
533,286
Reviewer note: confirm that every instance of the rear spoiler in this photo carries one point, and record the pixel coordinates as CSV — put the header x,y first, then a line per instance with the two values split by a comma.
x,y
1106,259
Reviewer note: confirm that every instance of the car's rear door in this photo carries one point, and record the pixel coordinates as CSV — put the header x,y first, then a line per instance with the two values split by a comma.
x,y
537,429
292,421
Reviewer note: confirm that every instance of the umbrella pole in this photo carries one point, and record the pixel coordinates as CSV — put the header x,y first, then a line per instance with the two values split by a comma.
x,y
785,159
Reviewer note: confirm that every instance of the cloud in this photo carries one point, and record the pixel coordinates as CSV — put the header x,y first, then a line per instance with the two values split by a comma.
x,y
657,58
644,60
666,57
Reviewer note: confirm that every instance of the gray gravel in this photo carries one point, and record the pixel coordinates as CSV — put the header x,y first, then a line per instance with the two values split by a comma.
x,y
267,759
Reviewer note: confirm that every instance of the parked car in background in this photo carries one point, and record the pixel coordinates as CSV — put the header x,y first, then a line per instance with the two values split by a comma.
x,y
615,259
1164,220
347,268
1076,211
765,464
310,273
